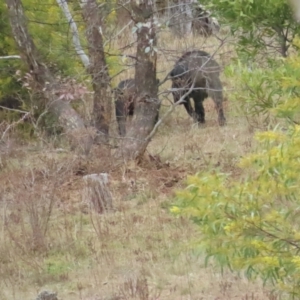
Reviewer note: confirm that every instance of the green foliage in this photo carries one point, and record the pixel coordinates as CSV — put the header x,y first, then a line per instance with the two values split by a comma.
x,y
58,267
53,39
257,89
257,23
6,40
289,107
270,89
10,88
252,224
52,36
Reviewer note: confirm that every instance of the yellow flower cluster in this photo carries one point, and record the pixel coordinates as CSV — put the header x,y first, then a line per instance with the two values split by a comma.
x,y
258,244
175,210
231,227
296,261
271,136
270,261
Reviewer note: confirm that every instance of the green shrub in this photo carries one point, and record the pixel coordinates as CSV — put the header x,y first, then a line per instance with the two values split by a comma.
x,y
252,224
258,25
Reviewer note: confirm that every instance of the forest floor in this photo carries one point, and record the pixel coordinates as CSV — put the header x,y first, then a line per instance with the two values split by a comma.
x,y
50,240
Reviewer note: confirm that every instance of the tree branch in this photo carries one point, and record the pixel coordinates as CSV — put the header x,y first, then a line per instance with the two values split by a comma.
x,y
169,111
75,35
10,57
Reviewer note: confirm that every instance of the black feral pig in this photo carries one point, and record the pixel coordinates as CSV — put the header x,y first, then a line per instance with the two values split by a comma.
x,y
124,95
198,73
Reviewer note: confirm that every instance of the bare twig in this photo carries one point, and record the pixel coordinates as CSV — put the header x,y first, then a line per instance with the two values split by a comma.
x,y
14,109
118,33
169,111
10,57
9,127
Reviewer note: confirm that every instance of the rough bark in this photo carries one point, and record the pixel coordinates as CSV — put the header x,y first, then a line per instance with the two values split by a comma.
x,y
146,102
181,17
45,81
45,295
296,7
98,68
97,192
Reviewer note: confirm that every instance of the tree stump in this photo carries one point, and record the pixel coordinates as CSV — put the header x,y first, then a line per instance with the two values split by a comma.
x,y
45,295
97,193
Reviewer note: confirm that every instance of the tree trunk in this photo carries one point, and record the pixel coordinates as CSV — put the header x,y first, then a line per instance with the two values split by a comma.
x,y
181,17
296,7
146,102
46,83
98,68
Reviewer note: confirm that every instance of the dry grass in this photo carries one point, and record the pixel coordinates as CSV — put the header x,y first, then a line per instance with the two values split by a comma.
x,y
51,240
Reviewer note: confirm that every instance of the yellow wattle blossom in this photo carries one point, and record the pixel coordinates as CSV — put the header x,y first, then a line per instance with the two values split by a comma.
x,y
248,161
270,261
231,227
297,129
296,261
270,136
257,244
297,236
175,210
289,105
